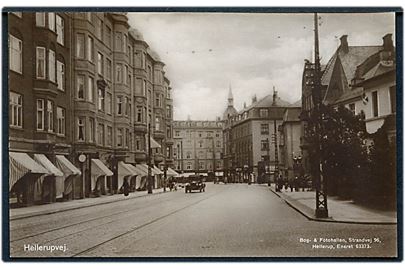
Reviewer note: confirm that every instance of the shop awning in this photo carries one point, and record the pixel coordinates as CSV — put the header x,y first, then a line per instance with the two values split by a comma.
x,y
219,173
137,170
66,166
20,164
46,163
156,170
144,168
171,172
124,169
153,142
98,168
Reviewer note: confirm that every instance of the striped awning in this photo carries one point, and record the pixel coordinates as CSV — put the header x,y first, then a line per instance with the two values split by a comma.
x,y
66,166
46,163
124,169
171,172
157,170
137,170
153,142
20,164
144,168
98,168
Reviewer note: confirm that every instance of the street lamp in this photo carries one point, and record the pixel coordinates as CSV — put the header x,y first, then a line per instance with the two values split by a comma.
x,y
321,192
149,162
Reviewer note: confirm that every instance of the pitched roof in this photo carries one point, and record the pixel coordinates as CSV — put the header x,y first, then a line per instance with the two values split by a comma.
x,y
267,101
378,70
348,95
230,110
350,60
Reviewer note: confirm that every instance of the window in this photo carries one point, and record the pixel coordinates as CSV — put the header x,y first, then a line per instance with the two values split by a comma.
x,y
51,65
60,75
127,107
217,135
264,113
143,60
109,135
119,105
177,133
40,114
101,99
138,144
15,110
188,155
120,138
139,115
125,76
218,144
150,73
51,21
127,137
144,88
99,29
60,30
108,69
90,45
200,144
41,66
80,46
264,129
60,115
157,100
168,111
108,36
49,112
393,98
374,98
188,166
91,129
80,86
100,63
15,54
109,103
157,123
100,132
90,89
125,43
264,145
40,19
119,73
118,41
168,132
80,129
352,108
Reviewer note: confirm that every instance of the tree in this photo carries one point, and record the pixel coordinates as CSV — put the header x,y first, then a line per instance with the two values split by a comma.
x,y
344,149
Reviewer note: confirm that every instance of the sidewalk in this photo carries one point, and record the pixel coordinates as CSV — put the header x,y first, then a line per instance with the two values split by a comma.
x,y
46,209
344,211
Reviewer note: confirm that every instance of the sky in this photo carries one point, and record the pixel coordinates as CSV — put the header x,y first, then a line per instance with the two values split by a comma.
x,y
207,53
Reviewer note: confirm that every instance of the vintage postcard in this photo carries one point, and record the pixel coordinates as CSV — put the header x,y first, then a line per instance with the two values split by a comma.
x,y
187,134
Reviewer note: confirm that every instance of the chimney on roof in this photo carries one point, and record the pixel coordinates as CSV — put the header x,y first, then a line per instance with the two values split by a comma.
x,y
244,105
387,42
274,95
343,44
254,99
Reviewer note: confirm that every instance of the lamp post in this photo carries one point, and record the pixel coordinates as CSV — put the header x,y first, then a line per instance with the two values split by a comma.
x,y
321,187
149,162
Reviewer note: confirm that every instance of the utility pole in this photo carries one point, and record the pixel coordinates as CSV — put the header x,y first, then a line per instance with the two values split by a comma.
x,y
275,150
321,187
149,162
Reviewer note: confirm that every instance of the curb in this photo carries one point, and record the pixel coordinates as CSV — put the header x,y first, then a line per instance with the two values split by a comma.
x,y
313,218
60,210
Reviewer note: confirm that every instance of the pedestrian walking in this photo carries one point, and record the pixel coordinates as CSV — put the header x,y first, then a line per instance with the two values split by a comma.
x,y
126,187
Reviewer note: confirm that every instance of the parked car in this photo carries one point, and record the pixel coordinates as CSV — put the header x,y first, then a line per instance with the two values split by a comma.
x,y
195,185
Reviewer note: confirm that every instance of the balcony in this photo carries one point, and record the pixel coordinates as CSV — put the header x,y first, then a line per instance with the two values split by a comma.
x,y
158,158
158,134
140,157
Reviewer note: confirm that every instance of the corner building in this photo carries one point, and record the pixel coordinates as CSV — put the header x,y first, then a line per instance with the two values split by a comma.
x,y
96,87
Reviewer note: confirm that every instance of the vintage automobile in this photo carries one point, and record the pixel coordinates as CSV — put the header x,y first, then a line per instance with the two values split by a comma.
x,y
195,185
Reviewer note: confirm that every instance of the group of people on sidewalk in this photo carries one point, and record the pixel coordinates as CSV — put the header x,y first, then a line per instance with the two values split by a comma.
x,y
296,183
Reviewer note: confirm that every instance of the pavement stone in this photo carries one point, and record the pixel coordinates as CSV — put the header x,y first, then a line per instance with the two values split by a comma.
x,y
343,211
46,209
